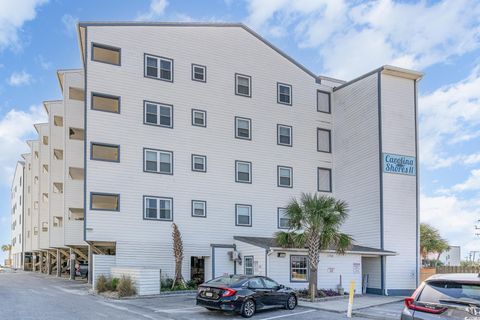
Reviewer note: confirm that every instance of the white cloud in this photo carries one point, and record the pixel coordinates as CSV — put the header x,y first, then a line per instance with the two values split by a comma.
x,y
454,217
472,183
449,115
13,14
44,64
18,79
70,24
156,10
354,37
16,127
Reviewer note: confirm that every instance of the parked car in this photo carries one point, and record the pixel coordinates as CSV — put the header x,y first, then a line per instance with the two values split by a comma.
x,y
245,294
445,296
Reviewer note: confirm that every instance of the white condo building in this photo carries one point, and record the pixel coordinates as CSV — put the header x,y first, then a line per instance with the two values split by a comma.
x,y
213,128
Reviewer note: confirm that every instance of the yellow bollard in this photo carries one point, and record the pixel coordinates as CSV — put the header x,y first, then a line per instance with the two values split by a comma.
x,y
350,299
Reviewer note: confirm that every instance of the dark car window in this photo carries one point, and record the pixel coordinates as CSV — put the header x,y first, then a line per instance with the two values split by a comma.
x,y
447,290
255,283
227,280
270,284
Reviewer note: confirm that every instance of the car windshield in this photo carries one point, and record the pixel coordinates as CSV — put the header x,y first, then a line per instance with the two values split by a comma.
x,y
227,280
450,291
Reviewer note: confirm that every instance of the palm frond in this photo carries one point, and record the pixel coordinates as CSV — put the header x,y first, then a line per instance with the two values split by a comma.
x,y
290,239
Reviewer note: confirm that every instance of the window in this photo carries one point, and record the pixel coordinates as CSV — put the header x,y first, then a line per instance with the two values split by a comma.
x,y
35,179
58,121
76,214
284,135
199,118
76,173
324,140
270,284
35,204
158,114
285,176
44,226
57,187
76,134
158,208
158,161
58,154
284,93
199,163
45,197
199,73
243,171
324,180
283,219
45,140
248,263
104,201
35,231
243,215
36,154
76,94
243,128
105,54
323,101
243,85
45,168
199,208
105,152
57,222
256,283
104,102
158,68
298,268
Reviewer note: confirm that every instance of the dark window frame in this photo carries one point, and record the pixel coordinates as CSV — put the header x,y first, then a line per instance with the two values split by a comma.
x,y
329,140
204,72
290,96
278,135
318,180
92,143
245,265
159,58
278,219
278,176
249,171
145,149
106,47
158,209
104,95
236,215
204,118
204,206
158,104
329,101
249,85
249,128
204,162
104,194
308,268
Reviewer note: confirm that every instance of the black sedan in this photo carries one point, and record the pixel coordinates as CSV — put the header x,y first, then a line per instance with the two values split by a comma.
x,y
245,294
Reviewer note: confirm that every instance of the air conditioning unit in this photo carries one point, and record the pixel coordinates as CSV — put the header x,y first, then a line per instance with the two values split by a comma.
x,y
235,256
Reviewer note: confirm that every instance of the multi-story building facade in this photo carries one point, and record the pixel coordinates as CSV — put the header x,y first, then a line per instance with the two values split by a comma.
x,y
18,218
213,128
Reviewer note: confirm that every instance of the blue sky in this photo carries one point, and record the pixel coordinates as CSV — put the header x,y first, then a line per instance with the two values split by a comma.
x,y
336,38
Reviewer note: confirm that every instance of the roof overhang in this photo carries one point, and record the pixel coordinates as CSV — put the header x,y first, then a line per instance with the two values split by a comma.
x,y
401,72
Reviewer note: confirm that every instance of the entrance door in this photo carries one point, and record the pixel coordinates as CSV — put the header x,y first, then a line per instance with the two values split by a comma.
x,y
197,269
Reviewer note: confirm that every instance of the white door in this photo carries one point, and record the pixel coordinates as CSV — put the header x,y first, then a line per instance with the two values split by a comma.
x,y
223,264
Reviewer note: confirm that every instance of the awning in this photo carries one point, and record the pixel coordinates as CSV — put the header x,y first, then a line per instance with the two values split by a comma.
x,y
271,244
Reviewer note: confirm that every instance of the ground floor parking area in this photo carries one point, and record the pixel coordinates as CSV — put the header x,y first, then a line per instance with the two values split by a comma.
x,y
27,295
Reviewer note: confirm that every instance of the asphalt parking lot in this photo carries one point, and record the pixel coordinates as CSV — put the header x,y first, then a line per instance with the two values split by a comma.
x,y
26,295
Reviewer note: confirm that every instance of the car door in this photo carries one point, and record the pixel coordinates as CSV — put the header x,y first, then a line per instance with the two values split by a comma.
x,y
273,295
259,292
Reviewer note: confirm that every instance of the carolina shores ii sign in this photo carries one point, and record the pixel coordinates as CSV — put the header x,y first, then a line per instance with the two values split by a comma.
x,y
394,163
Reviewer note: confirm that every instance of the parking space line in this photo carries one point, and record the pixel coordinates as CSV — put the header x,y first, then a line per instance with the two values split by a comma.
x,y
125,309
178,310
288,315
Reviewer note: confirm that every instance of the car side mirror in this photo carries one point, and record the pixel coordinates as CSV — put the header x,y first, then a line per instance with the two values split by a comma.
x,y
281,286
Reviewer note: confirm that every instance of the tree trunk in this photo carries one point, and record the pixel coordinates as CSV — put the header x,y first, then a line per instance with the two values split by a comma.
x,y
178,253
313,243
438,259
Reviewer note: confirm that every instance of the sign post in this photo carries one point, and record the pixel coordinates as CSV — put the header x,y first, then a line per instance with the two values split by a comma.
x,y
350,299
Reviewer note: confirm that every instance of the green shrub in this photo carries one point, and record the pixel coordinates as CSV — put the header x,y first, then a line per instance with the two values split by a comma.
x,y
126,287
166,283
113,284
102,284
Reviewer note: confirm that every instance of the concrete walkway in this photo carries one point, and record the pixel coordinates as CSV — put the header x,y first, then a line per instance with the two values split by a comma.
x,y
359,302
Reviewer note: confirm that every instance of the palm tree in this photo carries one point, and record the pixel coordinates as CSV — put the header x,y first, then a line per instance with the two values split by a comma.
x,y
314,223
178,253
5,248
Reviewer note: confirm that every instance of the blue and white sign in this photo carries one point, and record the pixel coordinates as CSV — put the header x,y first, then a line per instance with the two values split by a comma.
x,y
394,163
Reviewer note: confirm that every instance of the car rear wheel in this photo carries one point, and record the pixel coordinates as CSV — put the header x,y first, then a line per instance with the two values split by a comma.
x,y
210,309
291,302
248,309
